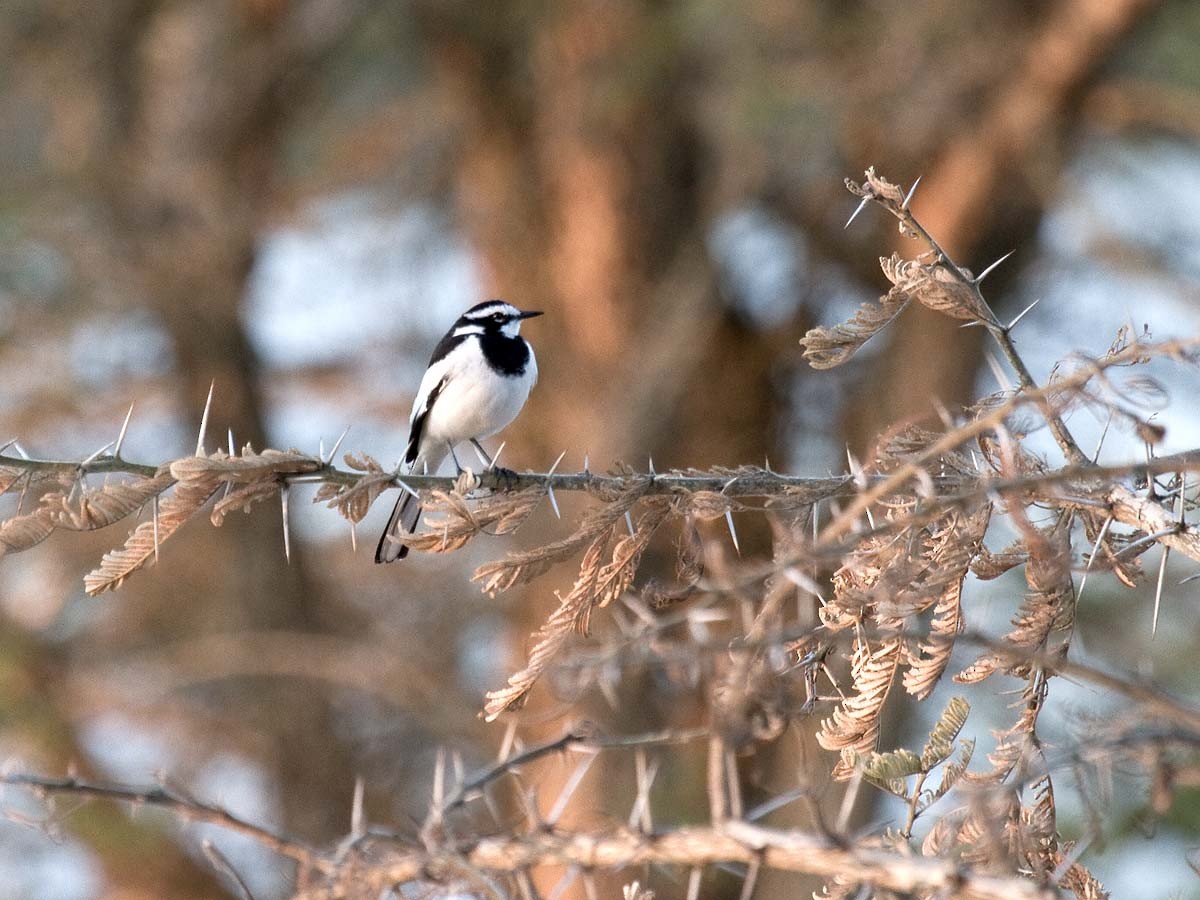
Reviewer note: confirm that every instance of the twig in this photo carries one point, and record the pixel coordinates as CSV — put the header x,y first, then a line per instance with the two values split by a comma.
x,y
729,842
578,739
186,808
1000,333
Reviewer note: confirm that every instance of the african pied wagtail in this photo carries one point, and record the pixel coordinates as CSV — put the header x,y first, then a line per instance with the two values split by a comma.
x,y
478,379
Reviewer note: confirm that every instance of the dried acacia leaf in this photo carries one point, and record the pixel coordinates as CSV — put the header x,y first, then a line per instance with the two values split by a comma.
x,y
880,187
552,636
104,506
453,521
1079,880
245,468
825,348
942,291
242,498
1048,605
951,550
709,505
939,838
854,724
139,549
521,567
616,576
597,584
22,532
987,565
353,502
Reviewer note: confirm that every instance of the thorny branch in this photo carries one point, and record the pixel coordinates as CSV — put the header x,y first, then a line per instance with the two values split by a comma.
x,y
877,190
834,624
187,808
377,865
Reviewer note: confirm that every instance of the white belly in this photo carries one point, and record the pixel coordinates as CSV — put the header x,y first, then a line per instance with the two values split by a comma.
x,y
476,403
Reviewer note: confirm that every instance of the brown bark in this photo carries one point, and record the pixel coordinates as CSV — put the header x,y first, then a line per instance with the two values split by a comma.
x,y
190,101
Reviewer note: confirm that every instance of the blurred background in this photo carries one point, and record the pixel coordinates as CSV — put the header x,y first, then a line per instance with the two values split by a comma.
x,y
295,198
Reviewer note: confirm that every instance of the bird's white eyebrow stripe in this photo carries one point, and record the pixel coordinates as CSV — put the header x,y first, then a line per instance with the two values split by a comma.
x,y
490,310
465,330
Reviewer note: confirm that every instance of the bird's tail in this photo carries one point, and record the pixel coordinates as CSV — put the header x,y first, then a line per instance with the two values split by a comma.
x,y
404,519
405,516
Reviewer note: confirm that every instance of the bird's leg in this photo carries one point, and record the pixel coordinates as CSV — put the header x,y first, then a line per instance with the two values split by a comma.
x,y
458,470
483,454
508,476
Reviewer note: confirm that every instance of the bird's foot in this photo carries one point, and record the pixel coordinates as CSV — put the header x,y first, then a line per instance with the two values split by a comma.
x,y
506,479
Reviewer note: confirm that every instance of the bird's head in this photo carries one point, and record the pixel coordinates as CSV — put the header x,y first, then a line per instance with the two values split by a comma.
x,y
496,316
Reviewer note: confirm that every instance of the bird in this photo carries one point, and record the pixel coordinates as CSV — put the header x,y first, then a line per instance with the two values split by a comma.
x,y
477,381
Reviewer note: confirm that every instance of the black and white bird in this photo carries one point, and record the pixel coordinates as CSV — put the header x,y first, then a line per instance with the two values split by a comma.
x,y
478,379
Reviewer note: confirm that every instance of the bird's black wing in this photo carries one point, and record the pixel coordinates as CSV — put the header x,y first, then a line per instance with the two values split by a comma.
x,y
418,423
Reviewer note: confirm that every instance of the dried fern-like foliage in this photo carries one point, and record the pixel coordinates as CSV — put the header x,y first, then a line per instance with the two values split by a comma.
x,y
142,546
603,576
251,476
353,501
104,506
951,550
828,347
854,725
22,532
453,521
517,568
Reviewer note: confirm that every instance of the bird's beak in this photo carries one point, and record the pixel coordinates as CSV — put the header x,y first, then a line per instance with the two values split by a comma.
x,y
529,313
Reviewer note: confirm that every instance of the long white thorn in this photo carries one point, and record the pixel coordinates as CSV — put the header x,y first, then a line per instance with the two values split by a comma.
x,y
693,888
121,437
16,445
1001,376
856,469
1021,314
1092,559
550,487
1162,571
990,269
732,531
405,487
204,419
564,797
358,821
232,444
912,190
438,796
336,444
629,523
154,515
95,456
353,537
287,537
854,215
496,456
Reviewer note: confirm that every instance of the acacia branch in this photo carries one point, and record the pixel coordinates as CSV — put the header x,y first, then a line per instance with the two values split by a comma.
x,y
187,808
998,331
727,842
